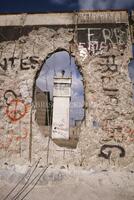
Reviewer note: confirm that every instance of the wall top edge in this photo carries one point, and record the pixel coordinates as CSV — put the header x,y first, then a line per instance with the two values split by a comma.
x,y
82,17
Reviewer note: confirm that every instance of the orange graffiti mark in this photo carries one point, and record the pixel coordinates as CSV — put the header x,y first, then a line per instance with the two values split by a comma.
x,y
16,109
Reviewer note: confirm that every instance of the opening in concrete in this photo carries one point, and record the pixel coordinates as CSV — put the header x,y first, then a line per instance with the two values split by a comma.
x,y
131,73
131,69
59,99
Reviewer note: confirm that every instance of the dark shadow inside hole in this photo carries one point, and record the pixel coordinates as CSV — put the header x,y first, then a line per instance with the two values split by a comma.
x,y
59,64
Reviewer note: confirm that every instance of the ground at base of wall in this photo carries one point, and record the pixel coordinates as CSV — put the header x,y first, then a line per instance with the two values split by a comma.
x,y
72,184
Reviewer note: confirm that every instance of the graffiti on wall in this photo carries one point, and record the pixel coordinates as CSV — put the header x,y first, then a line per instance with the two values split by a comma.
x,y
117,133
94,41
107,150
10,139
16,108
9,94
13,132
29,62
109,84
109,64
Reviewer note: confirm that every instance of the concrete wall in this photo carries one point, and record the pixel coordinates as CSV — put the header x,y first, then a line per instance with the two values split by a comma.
x,y
101,44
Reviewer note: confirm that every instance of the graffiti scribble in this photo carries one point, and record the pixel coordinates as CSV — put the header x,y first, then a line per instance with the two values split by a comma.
x,y
11,137
9,93
16,109
106,151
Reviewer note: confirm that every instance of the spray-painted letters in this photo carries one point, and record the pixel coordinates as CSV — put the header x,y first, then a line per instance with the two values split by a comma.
x,y
98,40
29,62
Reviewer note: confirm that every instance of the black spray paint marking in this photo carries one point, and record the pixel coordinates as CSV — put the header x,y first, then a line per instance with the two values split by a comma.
x,y
9,93
106,151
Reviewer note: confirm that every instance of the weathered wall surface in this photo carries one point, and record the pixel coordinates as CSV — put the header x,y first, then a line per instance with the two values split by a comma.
x,y
102,49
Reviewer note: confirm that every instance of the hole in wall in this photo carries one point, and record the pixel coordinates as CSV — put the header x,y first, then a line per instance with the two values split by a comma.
x,y
131,70
60,67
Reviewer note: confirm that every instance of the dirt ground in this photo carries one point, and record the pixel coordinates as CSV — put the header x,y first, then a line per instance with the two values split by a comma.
x,y
66,184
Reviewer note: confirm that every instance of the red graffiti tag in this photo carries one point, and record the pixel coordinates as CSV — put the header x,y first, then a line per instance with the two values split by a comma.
x,y
11,137
22,136
16,109
130,133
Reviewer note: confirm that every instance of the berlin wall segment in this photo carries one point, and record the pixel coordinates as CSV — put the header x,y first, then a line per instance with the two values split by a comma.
x,y
103,51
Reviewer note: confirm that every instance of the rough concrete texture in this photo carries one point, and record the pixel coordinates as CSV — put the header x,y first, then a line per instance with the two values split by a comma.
x,y
109,112
70,184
